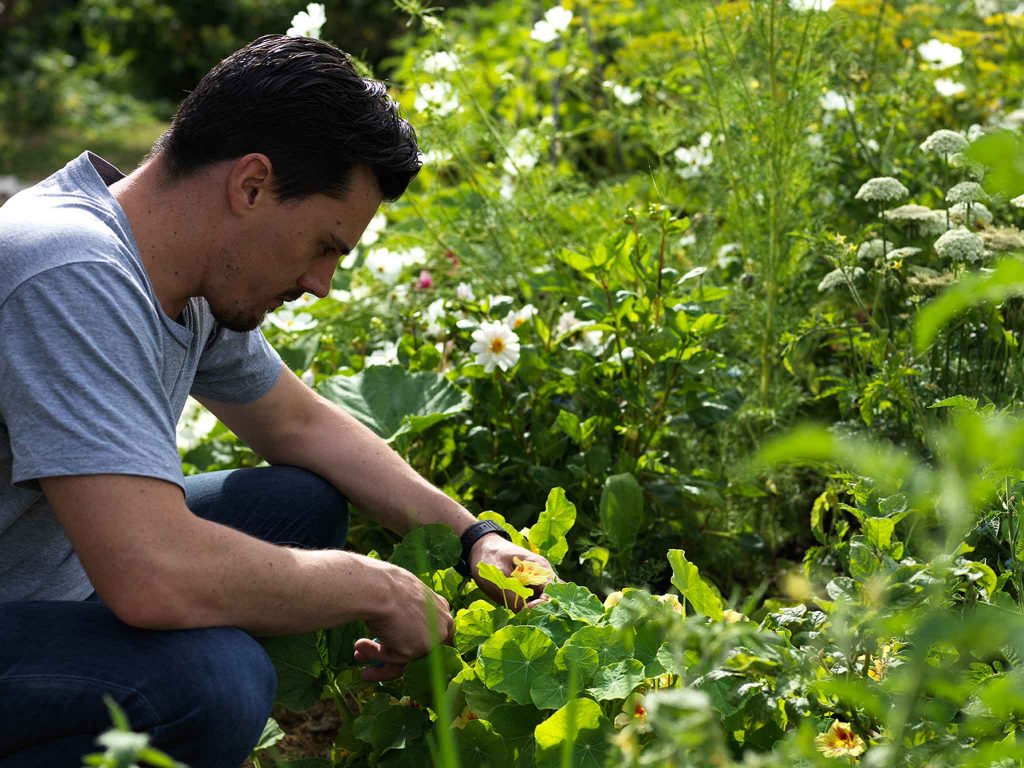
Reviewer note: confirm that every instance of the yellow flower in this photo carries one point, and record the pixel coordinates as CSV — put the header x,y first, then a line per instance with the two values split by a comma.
x,y
530,573
729,616
612,600
840,741
672,600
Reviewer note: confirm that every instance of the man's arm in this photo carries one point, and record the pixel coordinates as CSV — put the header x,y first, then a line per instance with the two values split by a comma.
x,y
158,566
293,425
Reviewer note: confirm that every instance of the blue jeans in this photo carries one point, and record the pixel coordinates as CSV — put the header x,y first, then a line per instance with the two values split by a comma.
x,y
203,695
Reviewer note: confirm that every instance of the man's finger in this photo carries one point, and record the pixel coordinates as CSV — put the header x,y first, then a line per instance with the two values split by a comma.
x,y
382,674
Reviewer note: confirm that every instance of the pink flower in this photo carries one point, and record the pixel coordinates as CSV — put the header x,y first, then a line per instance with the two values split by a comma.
x,y
425,280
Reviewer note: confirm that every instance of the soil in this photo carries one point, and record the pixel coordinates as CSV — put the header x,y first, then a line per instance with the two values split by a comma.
x,y
307,734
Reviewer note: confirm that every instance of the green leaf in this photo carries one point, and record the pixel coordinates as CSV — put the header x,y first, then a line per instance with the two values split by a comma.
x,y
511,530
622,510
879,530
570,424
513,658
476,623
428,548
547,535
416,676
272,734
549,692
479,745
1004,281
393,402
494,575
300,679
686,578
584,726
618,680
577,602
581,658
863,562
1003,155
394,727
609,643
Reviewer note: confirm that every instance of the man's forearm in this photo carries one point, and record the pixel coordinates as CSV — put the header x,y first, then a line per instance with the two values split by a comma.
x,y
370,474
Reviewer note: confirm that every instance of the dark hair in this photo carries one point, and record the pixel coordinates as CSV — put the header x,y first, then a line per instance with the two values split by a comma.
x,y
300,102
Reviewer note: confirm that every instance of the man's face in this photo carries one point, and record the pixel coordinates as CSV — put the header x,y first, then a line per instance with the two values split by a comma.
x,y
292,248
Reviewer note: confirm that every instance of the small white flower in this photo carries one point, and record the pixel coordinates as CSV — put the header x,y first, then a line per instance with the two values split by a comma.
x,y
438,97
495,300
441,61
980,214
811,5
372,232
566,322
946,87
385,265
694,158
556,20
873,249
436,157
309,22
1018,201
882,189
620,357
387,354
966,192
194,424
832,101
308,377
960,245
624,93
940,55
464,292
495,345
515,319
287,320
591,342
522,152
944,142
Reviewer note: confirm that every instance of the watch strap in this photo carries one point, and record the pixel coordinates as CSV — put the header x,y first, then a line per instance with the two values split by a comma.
x,y
471,536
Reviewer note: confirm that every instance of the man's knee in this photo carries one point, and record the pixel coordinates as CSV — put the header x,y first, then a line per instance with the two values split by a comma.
x,y
317,497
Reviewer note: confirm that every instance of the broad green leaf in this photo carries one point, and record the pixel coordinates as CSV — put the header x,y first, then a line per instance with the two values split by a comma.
x,y
476,623
686,578
570,424
863,562
517,537
427,549
299,665
1002,153
879,530
392,402
648,643
513,658
577,602
272,734
622,510
479,745
416,676
610,644
494,575
1004,281
617,681
515,723
549,692
584,726
394,727
583,659
547,536
480,699
597,557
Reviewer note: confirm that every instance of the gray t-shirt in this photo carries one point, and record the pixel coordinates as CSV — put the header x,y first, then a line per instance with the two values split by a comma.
x,y
93,373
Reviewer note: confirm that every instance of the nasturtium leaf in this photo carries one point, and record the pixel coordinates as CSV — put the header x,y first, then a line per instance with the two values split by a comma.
x,y
479,745
617,681
517,537
476,623
427,549
555,627
634,606
515,723
417,675
578,602
391,401
494,575
547,535
622,510
686,578
609,643
300,669
513,658
648,641
549,692
580,660
480,699
581,723
272,734
392,727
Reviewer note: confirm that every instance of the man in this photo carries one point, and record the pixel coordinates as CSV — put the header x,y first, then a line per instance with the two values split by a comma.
x,y
118,297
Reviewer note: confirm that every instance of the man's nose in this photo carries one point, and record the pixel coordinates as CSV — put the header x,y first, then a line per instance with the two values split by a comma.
x,y
317,279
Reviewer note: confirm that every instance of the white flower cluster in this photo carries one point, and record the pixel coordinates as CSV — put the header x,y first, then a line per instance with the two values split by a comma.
x,y
944,86
980,214
623,93
944,142
309,22
833,101
589,341
522,152
439,62
694,159
882,189
940,55
288,320
387,265
556,20
836,279
194,424
922,218
386,354
872,250
1018,201
438,97
960,245
966,192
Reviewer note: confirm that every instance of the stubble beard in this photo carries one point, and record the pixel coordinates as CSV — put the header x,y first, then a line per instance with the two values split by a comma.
x,y
237,318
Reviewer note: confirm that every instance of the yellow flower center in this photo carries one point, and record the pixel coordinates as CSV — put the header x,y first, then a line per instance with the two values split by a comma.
x,y
497,346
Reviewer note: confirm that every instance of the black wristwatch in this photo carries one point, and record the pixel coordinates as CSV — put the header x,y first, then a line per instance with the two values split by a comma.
x,y
471,536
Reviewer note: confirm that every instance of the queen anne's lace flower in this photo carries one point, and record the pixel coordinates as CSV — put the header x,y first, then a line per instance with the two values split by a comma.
x,y
495,345
873,249
980,214
836,279
902,253
944,142
960,245
1018,201
882,189
966,192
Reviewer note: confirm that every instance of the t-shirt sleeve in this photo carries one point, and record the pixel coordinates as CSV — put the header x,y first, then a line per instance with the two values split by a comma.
x,y
236,367
81,390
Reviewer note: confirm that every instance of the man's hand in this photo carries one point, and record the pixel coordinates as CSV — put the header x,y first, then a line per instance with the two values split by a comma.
x,y
503,555
402,632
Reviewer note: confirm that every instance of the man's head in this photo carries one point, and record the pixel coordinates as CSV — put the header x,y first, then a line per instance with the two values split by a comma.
x,y
301,103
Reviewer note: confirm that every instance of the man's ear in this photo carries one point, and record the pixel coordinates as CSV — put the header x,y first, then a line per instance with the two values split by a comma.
x,y
249,182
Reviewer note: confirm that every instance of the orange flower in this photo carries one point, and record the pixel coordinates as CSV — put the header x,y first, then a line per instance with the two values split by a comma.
x,y
530,573
840,741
